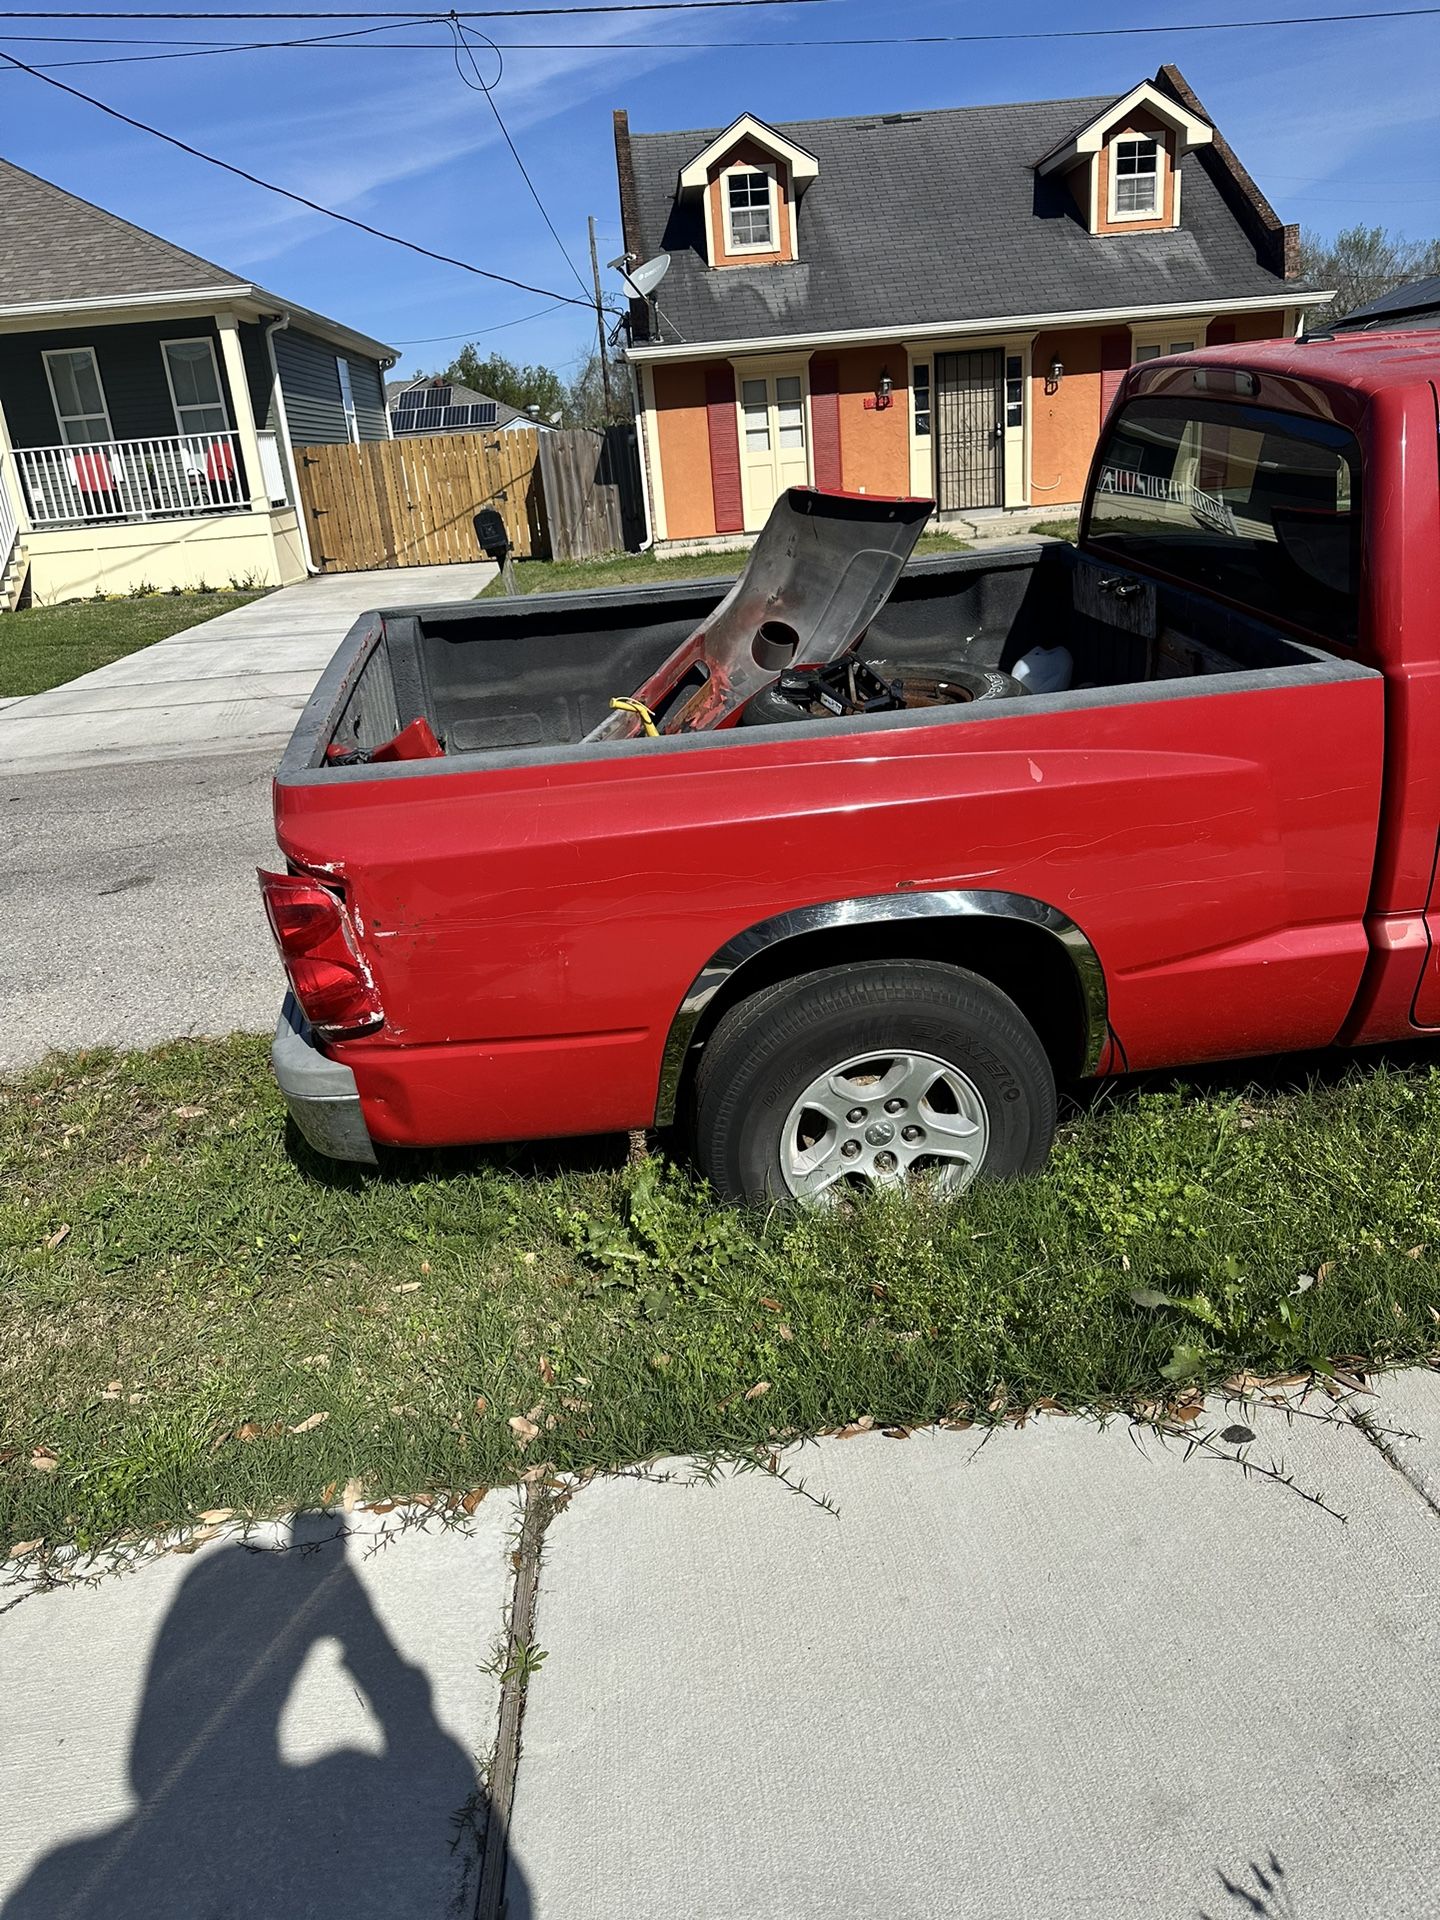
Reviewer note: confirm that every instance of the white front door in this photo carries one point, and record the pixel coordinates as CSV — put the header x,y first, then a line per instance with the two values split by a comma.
x,y
773,441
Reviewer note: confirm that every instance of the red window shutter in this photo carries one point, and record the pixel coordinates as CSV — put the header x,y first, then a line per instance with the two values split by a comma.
x,y
1221,334
825,422
1114,363
724,449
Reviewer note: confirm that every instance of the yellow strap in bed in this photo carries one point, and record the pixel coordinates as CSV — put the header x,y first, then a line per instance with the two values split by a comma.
x,y
647,718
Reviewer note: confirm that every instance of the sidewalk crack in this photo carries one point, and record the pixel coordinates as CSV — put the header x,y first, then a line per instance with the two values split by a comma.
x,y
516,1662
1380,1438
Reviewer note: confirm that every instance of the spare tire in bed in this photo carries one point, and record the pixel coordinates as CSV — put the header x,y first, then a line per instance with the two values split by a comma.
x,y
926,684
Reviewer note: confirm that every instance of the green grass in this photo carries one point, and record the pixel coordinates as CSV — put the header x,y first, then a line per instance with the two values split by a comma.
x,y
1059,529
181,1294
43,647
640,569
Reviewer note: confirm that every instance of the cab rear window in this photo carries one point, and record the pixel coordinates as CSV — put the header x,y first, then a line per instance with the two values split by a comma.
x,y
1260,506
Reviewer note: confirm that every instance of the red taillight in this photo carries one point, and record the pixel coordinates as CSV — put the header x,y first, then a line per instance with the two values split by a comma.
x,y
331,981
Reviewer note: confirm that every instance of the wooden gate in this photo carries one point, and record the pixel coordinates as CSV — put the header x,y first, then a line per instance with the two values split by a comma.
x,y
592,492
411,502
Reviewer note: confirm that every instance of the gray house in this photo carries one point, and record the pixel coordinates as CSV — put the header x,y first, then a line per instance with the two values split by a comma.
x,y
150,406
432,406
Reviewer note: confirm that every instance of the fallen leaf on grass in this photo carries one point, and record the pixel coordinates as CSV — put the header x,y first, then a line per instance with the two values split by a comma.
x,y
1414,1253
44,1459
113,1390
310,1423
760,1386
1191,1411
254,1430
7,1454
407,1286
772,1306
57,1239
22,1547
784,1331
547,1371
472,1499
524,1430
188,1113
482,1405
354,1487
896,1433
214,1515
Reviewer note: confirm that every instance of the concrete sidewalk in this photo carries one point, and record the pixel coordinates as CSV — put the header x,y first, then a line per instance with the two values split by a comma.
x,y
231,685
1055,1672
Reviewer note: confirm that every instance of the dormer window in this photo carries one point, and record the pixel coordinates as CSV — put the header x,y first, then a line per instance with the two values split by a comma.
x,y
1122,166
1135,180
745,185
749,213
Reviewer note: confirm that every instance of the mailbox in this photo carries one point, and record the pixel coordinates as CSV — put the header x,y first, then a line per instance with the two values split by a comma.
x,y
490,532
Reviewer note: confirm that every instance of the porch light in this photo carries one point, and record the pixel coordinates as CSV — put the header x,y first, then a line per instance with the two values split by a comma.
x,y
884,387
1057,372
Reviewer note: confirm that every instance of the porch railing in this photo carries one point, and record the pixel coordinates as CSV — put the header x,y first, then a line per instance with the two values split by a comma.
x,y
116,480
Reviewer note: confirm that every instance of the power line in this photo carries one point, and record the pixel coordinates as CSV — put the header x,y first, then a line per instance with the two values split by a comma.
x,y
479,86
346,43
470,13
286,193
474,333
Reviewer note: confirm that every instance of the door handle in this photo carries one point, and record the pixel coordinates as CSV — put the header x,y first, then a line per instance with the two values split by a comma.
x,y
1121,588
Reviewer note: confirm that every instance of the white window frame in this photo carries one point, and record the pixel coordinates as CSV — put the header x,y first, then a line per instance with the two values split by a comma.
x,y
61,353
1165,336
347,398
1157,212
730,247
196,340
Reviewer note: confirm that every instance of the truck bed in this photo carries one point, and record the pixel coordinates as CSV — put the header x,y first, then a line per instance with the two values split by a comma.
x,y
527,678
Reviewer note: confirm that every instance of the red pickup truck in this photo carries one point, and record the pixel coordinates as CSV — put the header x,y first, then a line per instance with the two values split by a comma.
x,y
862,941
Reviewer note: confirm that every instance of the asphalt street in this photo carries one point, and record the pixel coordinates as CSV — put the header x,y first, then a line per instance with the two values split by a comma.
x,y
135,808
130,905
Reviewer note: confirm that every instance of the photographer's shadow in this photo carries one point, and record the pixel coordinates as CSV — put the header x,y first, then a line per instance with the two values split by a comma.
x,y
233,1819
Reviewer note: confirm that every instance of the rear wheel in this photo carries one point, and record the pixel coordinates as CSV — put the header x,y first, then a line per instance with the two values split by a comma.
x,y
887,1073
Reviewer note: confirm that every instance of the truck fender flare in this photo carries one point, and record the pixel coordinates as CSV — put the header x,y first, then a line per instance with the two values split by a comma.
x,y
737,952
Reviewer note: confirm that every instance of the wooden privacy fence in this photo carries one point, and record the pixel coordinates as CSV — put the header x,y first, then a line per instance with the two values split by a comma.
x,y
411,502
591,481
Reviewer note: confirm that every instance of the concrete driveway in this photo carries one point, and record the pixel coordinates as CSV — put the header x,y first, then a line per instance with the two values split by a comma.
x,y
234,683
135,807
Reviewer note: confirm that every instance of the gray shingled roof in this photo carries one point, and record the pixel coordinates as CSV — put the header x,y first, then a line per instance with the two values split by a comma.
x,y
924,218
56,247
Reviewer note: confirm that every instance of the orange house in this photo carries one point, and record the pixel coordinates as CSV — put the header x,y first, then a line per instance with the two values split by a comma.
x,y
935,303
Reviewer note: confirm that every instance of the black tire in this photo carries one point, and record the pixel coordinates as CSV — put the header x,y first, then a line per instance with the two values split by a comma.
x,y
770,707
766,1051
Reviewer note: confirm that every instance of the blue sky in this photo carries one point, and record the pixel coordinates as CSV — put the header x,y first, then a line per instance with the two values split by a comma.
x,y
1339,123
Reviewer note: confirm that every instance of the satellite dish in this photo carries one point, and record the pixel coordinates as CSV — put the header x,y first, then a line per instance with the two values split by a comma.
x,y
644,280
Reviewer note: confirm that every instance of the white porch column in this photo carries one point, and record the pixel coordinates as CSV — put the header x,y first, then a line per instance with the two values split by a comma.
x,y
10,477
244,413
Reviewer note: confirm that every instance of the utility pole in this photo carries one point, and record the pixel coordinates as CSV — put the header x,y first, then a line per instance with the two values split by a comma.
x,y
600,326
